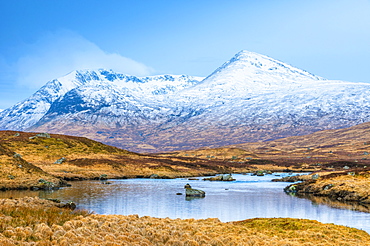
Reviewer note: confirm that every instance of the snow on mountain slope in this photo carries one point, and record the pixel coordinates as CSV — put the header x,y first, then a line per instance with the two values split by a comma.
x,y
251,73
325,106
252,97
253,89
102,104
257,68
27,113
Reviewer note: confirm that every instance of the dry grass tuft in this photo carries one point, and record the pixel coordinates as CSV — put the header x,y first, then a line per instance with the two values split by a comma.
x,y
33,213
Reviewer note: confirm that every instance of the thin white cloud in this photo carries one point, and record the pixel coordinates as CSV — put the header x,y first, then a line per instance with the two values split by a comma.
x,y
57,54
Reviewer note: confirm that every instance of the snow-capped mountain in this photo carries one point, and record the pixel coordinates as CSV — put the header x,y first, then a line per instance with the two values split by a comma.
x,y
252,97
255,70
100,88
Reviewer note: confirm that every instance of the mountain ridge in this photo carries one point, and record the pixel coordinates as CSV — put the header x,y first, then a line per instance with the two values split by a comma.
x,y
40,102
250,98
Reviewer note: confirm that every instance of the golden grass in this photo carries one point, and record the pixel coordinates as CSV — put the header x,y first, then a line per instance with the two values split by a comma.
x,y
17,173
56,147
28,212
32,221
349,186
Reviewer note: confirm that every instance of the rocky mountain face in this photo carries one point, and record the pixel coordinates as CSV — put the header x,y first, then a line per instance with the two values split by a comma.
x,y
249,98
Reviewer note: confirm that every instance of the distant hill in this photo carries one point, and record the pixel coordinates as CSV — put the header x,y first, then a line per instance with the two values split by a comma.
x,y
351,143
328,150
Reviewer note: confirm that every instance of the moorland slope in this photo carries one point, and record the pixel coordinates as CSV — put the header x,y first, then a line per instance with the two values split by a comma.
x,y
52,157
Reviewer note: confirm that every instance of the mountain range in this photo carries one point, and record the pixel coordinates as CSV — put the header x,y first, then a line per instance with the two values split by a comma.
x,y
249,98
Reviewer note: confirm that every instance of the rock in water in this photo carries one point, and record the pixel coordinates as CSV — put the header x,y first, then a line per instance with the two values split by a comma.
x,y
227,177
224,177
154,176
194,192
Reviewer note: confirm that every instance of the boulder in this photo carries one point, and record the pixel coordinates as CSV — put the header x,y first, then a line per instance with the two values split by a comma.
x,y
227,177
259,173
291,189
43,135
154,176
103,177
216,178
44,185
16,155
315,176
60,161
195,193
224,177
68,205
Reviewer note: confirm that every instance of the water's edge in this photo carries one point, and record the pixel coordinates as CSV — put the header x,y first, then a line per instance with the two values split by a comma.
x,y
246,197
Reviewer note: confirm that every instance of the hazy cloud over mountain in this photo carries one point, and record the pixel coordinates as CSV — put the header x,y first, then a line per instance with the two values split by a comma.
x,y
60,52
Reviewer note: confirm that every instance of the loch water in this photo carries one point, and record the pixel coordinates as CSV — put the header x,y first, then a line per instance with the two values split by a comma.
x,y
246,197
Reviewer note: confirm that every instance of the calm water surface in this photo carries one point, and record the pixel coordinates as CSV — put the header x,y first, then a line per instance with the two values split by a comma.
x,y
247,197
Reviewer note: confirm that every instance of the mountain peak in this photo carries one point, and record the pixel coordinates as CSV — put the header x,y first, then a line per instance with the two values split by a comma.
x,y
247,53
270,65
253,69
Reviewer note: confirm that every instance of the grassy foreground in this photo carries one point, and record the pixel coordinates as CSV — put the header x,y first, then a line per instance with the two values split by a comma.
x,y
33,221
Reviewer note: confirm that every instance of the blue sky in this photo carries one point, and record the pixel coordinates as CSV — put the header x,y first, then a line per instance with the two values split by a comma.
x,y
42,39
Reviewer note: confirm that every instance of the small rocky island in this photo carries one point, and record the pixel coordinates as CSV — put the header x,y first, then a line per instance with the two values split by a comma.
x,y
193,192
223,177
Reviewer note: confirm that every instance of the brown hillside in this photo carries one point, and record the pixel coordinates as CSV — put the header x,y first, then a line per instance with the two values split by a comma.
x,y
328,150
16,173
73,158
348,144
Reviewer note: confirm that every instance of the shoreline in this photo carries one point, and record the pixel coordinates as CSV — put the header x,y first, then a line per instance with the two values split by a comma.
x,y
345,186
64,182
